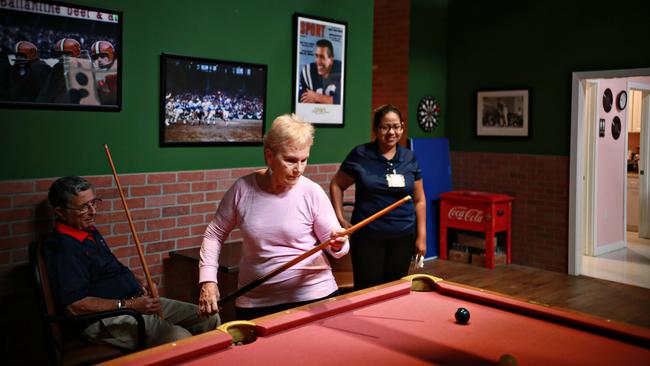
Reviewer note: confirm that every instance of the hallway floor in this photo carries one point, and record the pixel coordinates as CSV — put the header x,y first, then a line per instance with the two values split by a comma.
x,y
630,265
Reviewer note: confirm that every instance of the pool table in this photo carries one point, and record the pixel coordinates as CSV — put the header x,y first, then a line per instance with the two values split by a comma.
x,y
411,322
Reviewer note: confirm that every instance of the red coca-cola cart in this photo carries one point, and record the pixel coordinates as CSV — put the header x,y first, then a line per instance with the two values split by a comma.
x,y
489,213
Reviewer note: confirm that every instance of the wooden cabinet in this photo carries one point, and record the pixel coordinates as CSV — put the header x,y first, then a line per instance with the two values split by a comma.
x,y
182,276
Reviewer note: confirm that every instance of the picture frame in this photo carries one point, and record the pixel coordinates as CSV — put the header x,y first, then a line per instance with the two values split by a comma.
x,y
503,113
209,102
319,70
55,55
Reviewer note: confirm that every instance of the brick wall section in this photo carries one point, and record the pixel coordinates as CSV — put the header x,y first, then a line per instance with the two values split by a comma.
x,y
170,211
540,185
390,58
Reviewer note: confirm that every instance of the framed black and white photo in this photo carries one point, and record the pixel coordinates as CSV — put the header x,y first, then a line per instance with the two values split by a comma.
x,y
55,55
502,113
206,102
319,70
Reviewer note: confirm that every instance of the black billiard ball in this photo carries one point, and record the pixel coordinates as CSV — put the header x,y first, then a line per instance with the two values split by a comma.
x,y
462,316
507,360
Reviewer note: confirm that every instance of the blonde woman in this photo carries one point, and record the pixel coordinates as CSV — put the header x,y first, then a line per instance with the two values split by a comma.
x,y
281,214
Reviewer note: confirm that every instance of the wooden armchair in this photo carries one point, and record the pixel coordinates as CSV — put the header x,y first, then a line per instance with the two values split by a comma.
x,y
65,346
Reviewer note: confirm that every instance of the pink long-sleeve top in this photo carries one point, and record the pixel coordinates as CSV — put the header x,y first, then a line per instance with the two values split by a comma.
x,y
275,229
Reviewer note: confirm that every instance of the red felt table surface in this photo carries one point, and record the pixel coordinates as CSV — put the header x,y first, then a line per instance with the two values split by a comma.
x,y
395,326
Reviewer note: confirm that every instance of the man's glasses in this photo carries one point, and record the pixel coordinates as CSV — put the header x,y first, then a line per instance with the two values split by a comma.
x,y
386,128
85,208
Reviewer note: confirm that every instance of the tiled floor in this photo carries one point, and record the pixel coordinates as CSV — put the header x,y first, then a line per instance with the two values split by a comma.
x,y
630,265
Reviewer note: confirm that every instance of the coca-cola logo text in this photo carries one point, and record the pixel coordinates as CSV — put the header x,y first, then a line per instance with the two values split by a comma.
x,y
465,214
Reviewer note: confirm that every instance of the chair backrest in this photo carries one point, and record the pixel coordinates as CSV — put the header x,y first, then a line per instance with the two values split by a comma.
x,y
65,346
51,328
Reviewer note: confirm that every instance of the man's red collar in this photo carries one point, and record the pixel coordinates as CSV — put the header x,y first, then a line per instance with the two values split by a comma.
x,y
77,234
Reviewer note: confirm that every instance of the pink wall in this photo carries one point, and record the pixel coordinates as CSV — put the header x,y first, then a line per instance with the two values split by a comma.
x,y
610,169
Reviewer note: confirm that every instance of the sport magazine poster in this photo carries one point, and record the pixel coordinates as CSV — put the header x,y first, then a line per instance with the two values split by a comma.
x,y
319,74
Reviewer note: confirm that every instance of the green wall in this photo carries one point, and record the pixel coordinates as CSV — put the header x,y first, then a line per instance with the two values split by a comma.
x,y
535,44
428,61
47,143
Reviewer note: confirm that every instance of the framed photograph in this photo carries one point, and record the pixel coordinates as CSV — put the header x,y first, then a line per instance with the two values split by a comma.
x,y
60,56
502,113
211,102
319,70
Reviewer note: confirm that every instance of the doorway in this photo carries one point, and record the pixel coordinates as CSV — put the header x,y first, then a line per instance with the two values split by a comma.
x,y
625,258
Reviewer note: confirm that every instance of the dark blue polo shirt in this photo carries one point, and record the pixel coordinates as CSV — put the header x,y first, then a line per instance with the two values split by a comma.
x,y
369,167
80,264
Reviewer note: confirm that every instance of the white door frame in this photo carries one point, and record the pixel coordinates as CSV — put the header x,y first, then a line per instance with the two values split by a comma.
x,y
590,114
644,166
576,170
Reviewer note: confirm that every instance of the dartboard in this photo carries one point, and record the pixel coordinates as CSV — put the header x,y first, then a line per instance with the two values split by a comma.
x,y
428,113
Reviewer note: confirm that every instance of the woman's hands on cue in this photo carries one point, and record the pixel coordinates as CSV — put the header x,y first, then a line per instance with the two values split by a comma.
x,y
338,239
208,299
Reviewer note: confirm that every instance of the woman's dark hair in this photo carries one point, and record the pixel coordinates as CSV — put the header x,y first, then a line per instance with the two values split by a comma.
x,y
66,188
383,110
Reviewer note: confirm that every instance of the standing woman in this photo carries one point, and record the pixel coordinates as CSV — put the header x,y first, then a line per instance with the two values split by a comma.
x,y
382,172
281,215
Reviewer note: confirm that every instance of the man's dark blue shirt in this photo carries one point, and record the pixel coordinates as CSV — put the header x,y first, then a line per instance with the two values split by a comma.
x,y
80,264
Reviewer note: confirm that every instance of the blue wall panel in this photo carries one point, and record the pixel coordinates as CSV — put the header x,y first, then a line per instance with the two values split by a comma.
x,y
433,157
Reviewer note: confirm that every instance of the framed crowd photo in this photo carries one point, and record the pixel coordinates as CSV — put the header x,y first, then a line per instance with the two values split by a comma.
x,y
55,55
205,102
319,70
502,113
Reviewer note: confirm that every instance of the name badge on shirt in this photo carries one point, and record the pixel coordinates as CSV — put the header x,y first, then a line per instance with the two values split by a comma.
x,y
395,180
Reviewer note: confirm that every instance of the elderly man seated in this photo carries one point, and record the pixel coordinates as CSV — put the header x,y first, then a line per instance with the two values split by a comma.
x,y
86,277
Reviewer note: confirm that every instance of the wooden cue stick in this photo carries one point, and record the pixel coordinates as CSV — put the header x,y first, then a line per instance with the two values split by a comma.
x,y
308,253
154,290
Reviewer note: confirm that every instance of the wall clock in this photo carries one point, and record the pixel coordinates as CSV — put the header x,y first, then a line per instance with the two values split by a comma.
x,y
616,128
428,113
601,127
621,100
608,99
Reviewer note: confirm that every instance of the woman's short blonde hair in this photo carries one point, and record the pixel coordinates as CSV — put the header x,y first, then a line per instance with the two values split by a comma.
x,y
289,130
